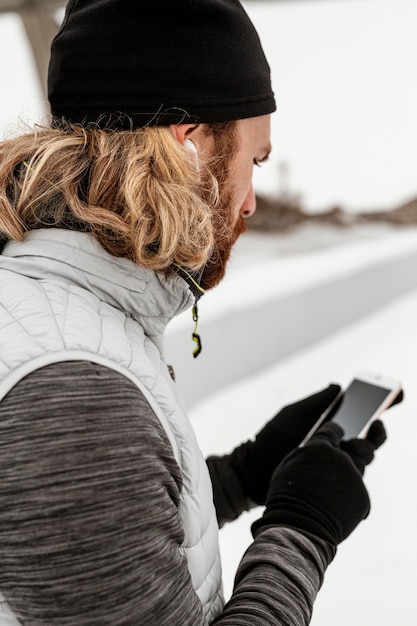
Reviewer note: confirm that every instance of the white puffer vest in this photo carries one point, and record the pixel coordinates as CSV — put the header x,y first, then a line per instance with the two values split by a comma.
x,y
64,298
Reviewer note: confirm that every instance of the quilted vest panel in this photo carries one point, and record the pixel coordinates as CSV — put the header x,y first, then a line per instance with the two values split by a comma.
x,y
44,327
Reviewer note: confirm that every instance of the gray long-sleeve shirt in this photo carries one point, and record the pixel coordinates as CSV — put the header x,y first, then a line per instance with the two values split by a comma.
x,y
90,531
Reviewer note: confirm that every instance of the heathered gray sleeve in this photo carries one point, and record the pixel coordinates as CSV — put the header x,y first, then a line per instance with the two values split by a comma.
x,y
90,532
89,528
277,581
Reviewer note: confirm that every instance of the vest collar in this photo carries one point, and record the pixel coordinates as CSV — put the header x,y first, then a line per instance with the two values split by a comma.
x,y
77,259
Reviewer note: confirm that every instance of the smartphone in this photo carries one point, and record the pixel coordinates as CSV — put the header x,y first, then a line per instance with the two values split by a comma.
x,y
365,398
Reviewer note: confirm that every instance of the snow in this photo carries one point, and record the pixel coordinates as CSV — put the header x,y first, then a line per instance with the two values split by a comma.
x,y
372,579
270,306
296,273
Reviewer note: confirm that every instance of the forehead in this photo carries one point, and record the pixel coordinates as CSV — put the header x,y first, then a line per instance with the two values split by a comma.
x,y
255,133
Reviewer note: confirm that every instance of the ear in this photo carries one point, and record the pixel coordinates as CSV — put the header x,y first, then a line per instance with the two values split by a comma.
x,y
182,132
197,133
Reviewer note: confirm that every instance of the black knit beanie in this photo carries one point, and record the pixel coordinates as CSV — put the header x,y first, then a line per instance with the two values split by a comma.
x,y
130,63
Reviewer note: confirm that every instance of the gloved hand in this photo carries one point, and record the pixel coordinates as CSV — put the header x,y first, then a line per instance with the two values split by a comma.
x,y
318,489
362,451
255,461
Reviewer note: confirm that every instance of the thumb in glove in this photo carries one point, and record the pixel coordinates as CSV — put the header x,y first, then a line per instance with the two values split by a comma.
x,y
362,451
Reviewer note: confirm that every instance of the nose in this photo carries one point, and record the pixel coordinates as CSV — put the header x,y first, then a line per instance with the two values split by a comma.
x,y
248,207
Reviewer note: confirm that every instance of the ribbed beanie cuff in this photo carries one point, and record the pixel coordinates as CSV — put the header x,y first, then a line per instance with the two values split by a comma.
x,y
131,63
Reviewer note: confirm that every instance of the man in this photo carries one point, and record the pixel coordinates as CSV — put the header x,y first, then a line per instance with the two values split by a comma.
x,y
115,219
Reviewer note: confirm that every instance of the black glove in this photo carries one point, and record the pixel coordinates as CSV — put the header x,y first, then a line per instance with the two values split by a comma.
x,y
362,451
255,461
318,489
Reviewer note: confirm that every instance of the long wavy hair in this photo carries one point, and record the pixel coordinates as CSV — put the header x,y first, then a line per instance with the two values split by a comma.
x,y
139,192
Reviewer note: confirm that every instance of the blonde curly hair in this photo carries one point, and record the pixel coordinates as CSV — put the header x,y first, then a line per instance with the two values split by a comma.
x,y
139,192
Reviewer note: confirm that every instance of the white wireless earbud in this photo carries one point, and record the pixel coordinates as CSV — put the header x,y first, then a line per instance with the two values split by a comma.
x,y
188,144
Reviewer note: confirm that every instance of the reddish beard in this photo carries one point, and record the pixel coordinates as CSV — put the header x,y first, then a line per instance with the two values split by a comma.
x,y
226,231
225,236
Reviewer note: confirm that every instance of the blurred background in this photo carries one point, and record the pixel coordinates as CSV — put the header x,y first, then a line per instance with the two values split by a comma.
x,y
324,283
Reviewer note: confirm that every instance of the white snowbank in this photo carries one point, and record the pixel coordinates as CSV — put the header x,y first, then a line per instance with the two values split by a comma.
x,y
269,307
252,279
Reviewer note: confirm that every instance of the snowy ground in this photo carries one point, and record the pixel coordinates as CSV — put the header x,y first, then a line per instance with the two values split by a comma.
x,y
372,579
273,302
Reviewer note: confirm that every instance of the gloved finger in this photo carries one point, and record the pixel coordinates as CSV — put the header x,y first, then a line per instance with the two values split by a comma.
x,y
397,399
361,451
377,434
330,432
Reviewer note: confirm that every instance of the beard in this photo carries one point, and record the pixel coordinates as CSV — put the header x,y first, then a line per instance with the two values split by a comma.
x,y
226,230
225,237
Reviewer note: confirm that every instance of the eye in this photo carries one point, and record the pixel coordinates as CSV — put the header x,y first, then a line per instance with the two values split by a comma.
x,y
259,162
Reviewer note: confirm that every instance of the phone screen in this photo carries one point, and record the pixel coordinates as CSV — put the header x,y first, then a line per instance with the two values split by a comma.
x,y
358,404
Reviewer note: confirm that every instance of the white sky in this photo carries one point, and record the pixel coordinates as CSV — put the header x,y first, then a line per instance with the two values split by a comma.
x,y
344,75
